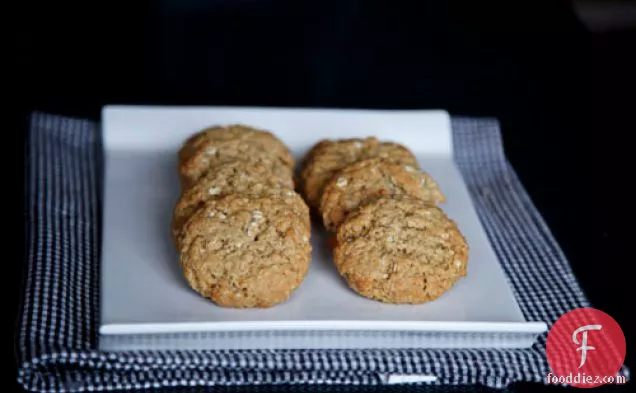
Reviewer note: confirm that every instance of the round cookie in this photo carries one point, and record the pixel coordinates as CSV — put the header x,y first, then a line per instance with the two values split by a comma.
x,y
400,250
219,145
329,156
364,180
237,177
245,252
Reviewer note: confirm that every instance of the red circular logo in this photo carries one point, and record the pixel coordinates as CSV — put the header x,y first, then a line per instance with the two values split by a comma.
x,y
585,348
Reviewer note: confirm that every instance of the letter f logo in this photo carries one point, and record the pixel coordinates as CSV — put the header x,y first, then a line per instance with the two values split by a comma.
x,y
584,347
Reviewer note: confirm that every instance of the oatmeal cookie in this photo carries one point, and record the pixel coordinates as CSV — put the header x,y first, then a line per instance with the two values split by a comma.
x,y
400,250
364,180
237,177
218,145
245,252
329,156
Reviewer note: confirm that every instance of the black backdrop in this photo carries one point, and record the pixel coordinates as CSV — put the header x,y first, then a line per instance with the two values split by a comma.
x,y
563,95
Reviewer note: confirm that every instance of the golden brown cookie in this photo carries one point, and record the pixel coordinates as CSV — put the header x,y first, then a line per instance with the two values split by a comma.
x,y
329,156
245,252
400,250
364,180
218,145
237,177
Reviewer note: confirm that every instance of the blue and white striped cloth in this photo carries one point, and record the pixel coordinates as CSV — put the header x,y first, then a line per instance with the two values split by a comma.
x,y
58,329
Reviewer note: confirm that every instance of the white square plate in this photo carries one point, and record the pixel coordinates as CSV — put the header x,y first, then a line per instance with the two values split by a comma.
x,y
146,303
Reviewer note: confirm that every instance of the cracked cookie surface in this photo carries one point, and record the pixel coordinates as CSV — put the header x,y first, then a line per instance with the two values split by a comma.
x,y
222,144
400,250
329,156
245,252
368,179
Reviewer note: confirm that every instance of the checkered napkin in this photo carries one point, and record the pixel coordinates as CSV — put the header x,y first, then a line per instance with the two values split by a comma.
x,y
58,329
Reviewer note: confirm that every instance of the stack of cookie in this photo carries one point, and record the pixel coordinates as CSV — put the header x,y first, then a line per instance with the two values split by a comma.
x,y
240,228
392,241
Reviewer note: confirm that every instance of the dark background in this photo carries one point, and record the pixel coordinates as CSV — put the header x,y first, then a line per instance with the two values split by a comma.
x,y
564,94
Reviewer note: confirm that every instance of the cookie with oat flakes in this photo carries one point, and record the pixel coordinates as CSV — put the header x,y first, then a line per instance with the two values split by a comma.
x,y
236,177
245,252
329,156
222,144
364,180
400,250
